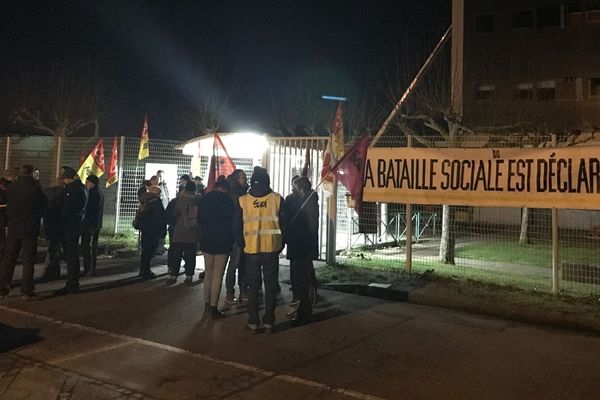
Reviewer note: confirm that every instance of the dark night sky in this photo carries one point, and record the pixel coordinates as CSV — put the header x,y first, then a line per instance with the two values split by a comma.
x,y
151,50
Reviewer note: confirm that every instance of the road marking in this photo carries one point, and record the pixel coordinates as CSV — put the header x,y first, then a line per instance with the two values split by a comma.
x,y
204,357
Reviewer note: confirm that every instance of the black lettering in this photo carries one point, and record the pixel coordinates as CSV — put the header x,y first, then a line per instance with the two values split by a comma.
x,y
582,177
551,175
432,174
446,182
405,176
511,173
497,185
542,175
594,175
562,186
390,173
464,182
456,175
369,174
381,173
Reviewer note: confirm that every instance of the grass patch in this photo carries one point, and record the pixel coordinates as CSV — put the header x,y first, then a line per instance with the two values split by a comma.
x,y
535,254
124,240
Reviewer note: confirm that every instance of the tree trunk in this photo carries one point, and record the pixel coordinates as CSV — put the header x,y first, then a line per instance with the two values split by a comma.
x,y
448,240
524,235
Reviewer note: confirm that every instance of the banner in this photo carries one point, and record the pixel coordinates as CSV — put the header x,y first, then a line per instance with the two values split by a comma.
x,y
144,141
94,163
566,177
220,163
334,150
113,168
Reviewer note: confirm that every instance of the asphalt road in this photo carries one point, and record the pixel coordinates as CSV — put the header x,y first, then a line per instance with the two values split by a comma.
x,y
143,339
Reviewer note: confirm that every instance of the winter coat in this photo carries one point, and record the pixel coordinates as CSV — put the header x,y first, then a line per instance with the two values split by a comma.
x,y
186,203
25,206
216,218
302,234
74,202
152,218
94,210
238,219
53,217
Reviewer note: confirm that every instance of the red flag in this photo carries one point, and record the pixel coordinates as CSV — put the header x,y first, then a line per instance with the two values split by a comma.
x,y
350,170
334,150
94,162
112,168
82,157
306,168
224,165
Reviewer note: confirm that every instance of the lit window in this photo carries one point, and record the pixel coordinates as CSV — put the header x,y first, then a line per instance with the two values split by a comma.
x,y
485,92
524,91
546,90
549,17
594,87
523,19
485,23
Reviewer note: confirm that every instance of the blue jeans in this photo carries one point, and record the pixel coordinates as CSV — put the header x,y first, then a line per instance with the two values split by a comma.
x,y
267,265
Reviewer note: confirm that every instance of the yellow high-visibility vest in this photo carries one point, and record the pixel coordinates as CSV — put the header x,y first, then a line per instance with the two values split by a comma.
x,y
262,232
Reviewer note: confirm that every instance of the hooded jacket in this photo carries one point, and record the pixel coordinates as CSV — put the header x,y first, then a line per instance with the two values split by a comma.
x,y
25,206
153,216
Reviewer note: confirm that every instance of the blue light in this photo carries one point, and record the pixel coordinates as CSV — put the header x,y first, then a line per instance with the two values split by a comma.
x,y
334,98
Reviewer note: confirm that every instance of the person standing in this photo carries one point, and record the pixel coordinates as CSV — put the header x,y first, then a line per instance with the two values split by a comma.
x,y
199,185
302,239
53,230
184,234
151,221
25,205
216,220
92,223
260,225
5,182
73,213
238,183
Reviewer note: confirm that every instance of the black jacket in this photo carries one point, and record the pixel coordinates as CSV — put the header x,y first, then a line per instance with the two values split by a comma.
x,y
302,232
74,202
4,184
25,206
152,218
94,210
53,217
215,215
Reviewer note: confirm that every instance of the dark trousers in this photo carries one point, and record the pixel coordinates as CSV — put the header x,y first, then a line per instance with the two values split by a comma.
x,y
71,247
179,251
149,246
2,243
267,265
14,246
237,262
89,249
53,259
300,274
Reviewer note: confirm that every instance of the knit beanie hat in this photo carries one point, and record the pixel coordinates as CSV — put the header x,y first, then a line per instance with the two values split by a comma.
x,y
260,177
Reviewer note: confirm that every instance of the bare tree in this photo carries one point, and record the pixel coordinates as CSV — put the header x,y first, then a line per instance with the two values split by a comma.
x,y
63,101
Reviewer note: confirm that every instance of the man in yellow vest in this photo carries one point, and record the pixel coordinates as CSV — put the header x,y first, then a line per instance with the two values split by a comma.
x,y
260,226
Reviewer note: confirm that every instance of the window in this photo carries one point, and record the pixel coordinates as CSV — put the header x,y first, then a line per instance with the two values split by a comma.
x,y
594,85
567,89
485,92
523,19
485,23
524,91
549,17
546,90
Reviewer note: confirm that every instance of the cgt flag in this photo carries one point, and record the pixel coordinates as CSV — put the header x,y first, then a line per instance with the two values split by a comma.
x,y
334,149
113,168
220,163
350,170
94,163
144,141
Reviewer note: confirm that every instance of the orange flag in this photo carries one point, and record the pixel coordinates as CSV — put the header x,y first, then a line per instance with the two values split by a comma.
x,y
94,163
113,168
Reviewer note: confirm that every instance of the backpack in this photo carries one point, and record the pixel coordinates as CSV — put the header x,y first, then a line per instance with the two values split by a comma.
x,y
190,216
137,220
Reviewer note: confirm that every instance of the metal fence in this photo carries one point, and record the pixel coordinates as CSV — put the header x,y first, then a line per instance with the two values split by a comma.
x,y
487,240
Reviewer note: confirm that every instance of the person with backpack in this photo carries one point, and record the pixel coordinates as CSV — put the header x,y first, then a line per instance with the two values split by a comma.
x,y
216,220
184,233
150,219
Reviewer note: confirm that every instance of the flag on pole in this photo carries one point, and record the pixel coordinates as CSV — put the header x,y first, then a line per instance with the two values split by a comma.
x,y
306,168
144,144
334,149
82,158
350,170
220,163
94,162
113,168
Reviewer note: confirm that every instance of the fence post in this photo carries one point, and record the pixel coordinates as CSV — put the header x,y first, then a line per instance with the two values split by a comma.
x,y
119,183
58,159
7,158
555,260
409,228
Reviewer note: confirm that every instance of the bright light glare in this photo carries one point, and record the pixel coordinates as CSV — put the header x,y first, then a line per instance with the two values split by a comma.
x,y
238,145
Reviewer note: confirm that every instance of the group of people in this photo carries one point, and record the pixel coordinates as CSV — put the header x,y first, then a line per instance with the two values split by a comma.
x,y
240,228
71,212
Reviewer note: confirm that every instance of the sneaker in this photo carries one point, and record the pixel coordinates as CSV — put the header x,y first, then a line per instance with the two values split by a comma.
x,y
230,300
188,279
171,280
269,328
292,314
66,290
148,275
